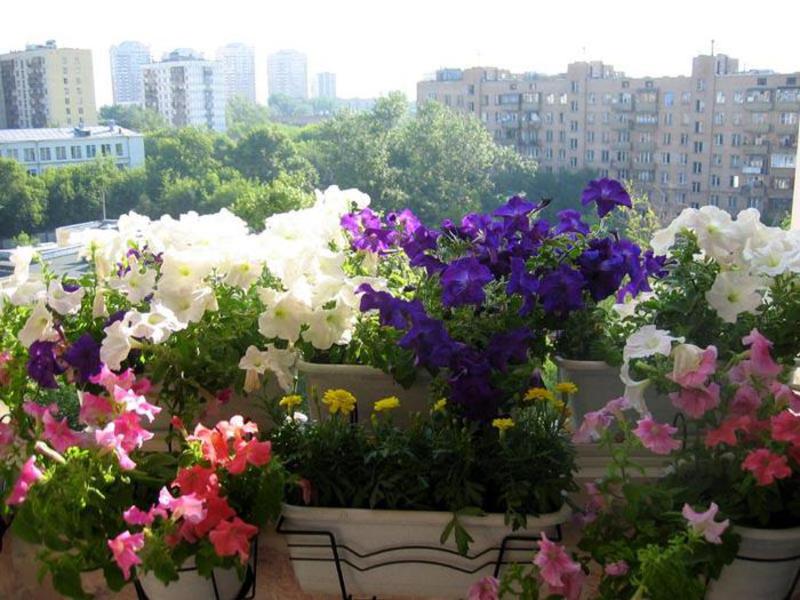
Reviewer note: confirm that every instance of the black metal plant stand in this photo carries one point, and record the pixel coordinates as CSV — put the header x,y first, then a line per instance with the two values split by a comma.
x,y
246,592
339,561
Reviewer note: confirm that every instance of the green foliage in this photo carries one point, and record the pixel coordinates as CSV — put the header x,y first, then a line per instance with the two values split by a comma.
x,y
23,199
287,107
640,222
243,116
266,152
133,117
439,462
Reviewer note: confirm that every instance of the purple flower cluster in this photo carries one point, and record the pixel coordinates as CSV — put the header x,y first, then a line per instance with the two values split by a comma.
x,y
84,357
43,365
505,247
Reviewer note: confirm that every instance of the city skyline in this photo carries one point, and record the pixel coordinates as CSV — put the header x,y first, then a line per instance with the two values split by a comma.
x,y
374,51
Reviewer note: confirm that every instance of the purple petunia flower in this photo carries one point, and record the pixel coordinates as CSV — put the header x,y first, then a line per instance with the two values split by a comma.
x,y
117,316
607,193
42,364
428,339
463,281
514,208
470,385
509,348
569,221
603,266
368,232
393,312
84,356
561,290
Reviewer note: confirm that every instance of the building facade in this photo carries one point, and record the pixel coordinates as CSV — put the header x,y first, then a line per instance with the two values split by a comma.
x,y
186,90
46,86
326,85
127,60
718,136
238,64
41,149
287,74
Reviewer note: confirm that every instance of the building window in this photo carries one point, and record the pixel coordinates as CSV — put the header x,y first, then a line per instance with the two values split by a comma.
x,y
736,161
590,136
719,139
669,99
738,97
697,168
720,98
695,186
698,127
699,106
91,151
719,118
573,162
29,155
714,200
681,178
605,156
665,177
788,118
736,139
782,161
668,119
665,158
75,152
734,181
684,158
573,144
61,153
118,149
731,201
701,85
590,156
667,139
44,154
698,147
715,181
717,159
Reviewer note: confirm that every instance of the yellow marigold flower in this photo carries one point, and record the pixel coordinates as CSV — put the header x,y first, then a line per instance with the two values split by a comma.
x,y
291,401
503,424
566,387
439,405
561,407
389,403
340,401
538,393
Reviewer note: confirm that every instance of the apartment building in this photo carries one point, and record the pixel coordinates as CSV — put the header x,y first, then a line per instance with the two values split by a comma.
x,y
127,60
287,74
41,149
326,85
238,65
186,90
719,136
46,86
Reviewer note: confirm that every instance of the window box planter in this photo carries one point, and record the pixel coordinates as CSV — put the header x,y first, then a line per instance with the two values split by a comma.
x,y
398,553
598,382
766,566
367,384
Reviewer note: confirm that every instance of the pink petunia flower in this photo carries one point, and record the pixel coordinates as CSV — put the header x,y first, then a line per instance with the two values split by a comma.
x,y
27,477
656,437
573,585
136,403
761,362
786,427
726,432
593,425
95,410
109,380
59,433
197,480
217,510
189,507
746,400
696,402
704,523
253,452
487,588
617,569
7,435
766,466
693,365
124,548
37,411
785,395
554,563
5,377
233,537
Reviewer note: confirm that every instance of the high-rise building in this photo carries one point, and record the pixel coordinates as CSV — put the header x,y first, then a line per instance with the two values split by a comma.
x,y
238,64
126,71
186,90
719,136
46,86
287,72
326,85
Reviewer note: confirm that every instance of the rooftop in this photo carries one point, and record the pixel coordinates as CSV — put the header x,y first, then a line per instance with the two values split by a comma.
x,y
64,133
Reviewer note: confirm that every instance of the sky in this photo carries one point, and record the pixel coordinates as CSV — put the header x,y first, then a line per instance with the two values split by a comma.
x,y
378,46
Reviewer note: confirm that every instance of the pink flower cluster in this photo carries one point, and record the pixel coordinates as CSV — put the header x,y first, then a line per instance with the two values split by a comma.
x,y
596,422
195,501
698,394
563,576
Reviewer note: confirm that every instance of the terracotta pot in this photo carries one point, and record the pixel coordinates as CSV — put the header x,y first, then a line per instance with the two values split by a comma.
x,y
765,567
397,553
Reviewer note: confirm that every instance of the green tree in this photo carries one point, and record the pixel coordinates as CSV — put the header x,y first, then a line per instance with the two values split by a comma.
x,y
286,106
638,223
75,194
255,202
179,153
132,117
243,115
23,199
266,152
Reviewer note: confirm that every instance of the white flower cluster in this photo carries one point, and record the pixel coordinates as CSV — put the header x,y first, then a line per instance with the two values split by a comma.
x,y
749,253
304,250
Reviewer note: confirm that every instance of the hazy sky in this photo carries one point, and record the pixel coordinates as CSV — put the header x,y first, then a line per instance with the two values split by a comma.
x,y
375,46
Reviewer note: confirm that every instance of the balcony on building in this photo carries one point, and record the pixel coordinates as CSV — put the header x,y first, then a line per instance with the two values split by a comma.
x,y
787,99
757,128
623,146
758,100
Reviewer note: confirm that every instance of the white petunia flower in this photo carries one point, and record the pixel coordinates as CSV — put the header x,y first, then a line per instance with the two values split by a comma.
x,y
38,327
189,304
99,304
28,293
634,390
327,327
62,301
733,293
116,344
21,258
283,363
136,286
283,317
648,341
156,325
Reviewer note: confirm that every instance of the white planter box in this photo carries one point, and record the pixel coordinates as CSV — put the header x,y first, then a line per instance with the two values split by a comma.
x,y
765,568
397,553
598,382
368,385
225,585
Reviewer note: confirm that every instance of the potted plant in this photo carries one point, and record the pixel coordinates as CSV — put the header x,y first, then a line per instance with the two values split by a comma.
x,y
418,510
497,295
737,458
199,538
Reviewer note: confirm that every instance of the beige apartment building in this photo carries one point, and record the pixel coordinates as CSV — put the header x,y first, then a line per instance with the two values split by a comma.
x,y
47,86
719,136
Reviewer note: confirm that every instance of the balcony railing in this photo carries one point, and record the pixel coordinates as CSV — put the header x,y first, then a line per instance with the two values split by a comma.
x,y
758,105
786,128
758,149
622,106
646,107
620,145
757,127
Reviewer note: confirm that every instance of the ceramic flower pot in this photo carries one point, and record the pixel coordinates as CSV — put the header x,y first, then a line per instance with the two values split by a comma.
x,y
397,553
765,567
598,382
225,584
368,385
